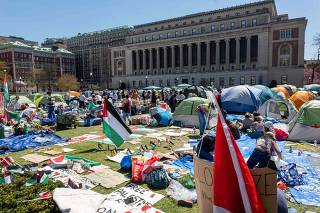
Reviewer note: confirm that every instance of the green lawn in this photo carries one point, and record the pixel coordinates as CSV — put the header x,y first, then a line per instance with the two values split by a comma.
x,y
90,150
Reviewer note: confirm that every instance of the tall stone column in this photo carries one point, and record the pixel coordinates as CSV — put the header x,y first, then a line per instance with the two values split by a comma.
x,y
181,57
248,52
158,59
238,53
190,57
165,61
217,55
199,56
173,59
208,56
227,54
144,60
138,61
151,60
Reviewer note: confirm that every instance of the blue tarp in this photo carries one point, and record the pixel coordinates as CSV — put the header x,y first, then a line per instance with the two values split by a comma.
x,y
162,116
30,140
234,117
186,163
308,194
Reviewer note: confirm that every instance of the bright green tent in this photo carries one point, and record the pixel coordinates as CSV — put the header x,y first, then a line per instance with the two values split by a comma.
x,y
22,100
35,96
44,99
305,126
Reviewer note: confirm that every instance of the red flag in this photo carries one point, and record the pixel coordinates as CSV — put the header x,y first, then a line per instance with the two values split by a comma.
x,y
234,188
105,109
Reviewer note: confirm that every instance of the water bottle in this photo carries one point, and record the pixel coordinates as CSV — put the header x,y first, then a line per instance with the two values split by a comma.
x,y
315,142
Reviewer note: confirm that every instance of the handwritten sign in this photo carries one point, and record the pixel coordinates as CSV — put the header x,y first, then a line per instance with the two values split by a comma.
x,y
130,197
265,180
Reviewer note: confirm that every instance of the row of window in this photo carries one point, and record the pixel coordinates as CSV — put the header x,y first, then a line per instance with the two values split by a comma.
x,y
213,28
169,26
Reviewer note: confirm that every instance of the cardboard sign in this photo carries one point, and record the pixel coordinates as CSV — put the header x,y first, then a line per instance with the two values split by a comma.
x,y
80,138
35,158
130,197
264,178
107,178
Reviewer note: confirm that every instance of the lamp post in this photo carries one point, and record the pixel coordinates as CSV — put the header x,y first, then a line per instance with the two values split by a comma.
x,y
20,84
146,80
91,79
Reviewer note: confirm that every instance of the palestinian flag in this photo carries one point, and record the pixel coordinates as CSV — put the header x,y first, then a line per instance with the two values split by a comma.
x,y
113,126
6,94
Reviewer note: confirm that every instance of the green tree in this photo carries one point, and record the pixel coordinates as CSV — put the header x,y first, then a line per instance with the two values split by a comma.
x,y
38,78
68,82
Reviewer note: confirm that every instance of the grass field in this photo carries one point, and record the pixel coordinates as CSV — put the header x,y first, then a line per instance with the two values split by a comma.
x,y
90,151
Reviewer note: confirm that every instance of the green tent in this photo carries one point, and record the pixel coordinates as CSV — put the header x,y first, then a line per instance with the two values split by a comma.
x,y
305,126
22,100
44,99
186,113
35,96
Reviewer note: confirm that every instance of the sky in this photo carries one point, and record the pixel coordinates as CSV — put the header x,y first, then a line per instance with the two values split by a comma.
x,y
40,19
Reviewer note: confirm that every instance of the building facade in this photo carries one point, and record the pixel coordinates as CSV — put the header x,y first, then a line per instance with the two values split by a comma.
x,y
92,54
6,39
22,59
246,44
60,43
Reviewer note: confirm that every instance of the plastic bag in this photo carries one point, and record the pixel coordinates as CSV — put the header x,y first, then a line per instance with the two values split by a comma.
x,y
126,162
157,179
179,192
141,168
187,181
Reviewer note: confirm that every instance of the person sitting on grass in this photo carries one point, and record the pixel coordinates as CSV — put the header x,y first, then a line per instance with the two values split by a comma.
x,y
234,129
246,122
263,150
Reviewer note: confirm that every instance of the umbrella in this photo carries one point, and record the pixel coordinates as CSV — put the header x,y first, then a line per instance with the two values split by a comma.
x,y
152,88
77,94
183,86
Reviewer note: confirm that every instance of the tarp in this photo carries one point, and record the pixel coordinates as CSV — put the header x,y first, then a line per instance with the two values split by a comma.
x,y
241,99
301,97
30,140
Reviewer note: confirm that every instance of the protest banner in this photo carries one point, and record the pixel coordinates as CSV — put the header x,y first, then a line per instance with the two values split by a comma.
x,y
130,197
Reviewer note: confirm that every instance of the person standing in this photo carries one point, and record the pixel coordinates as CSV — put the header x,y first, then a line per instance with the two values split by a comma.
x,y
172,102
126,114
202,110
82,100
153,99
16,104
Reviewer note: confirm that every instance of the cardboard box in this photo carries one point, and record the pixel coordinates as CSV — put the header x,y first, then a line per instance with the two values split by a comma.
x,y
264,178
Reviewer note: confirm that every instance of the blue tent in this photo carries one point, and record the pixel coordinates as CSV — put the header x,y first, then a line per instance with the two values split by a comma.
x,y
241,99
266,93
162,116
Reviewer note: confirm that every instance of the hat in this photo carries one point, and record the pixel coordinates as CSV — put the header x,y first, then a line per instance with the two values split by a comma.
x,y
268,124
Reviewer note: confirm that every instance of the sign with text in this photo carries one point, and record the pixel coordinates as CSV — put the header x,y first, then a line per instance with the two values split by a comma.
x,y
130,197
265,180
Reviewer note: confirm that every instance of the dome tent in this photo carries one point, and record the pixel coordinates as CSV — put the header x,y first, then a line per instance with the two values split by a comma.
x,y
312,87
186,113
301,97
283,90
305,126
241,99
280,109
266,93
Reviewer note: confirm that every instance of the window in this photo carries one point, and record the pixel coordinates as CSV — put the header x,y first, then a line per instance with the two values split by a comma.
x,y
243,23
218,17
192,22
213,28
209,19
232,26
201,20
221,27
242,80
227,16
237,14
254,22
231,81
203,29
169,26
284,55
221,81
252,80
285,34
283,79
194,30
